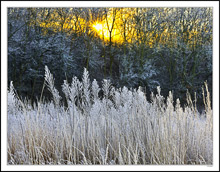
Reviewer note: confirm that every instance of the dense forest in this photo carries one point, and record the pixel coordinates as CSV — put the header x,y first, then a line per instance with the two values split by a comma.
x,y
147,47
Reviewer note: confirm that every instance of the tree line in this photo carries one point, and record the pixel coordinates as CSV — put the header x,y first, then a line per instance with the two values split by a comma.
x,y
148,47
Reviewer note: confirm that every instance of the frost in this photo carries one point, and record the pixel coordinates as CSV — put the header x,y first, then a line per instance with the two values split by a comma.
x,y
121,127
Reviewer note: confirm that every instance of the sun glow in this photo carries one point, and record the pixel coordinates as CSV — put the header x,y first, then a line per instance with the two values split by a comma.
x,y
122,25
115,26
102,30
97,26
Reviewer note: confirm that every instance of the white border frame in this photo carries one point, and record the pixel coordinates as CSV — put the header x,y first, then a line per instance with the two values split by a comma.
x,y
6,4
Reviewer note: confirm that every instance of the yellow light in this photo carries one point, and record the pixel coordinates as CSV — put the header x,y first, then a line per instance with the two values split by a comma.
x,y
97,27
101,30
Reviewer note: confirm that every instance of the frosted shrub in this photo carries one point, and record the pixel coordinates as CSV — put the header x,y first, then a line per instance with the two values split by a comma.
x,y
86,91
95,90
50,84
121,127
14,103
106,88
12,100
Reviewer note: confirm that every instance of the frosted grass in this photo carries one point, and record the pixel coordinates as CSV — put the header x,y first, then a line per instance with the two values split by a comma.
x,y
121,127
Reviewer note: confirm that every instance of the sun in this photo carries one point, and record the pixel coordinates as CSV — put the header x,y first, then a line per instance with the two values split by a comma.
x,y
97,27
101,30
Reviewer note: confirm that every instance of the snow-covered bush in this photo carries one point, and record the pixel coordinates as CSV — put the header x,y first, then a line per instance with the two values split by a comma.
x,y
121,127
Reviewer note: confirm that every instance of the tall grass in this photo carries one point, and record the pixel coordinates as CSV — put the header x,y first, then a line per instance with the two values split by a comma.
x,y
121,127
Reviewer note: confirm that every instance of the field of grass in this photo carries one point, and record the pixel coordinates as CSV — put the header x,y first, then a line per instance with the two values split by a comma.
x,y
120,127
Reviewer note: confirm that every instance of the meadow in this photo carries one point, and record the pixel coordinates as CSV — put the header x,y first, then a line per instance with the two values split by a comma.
x,y
107,126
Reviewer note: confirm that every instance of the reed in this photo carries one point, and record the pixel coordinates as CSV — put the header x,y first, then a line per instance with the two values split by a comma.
x,y
122,127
